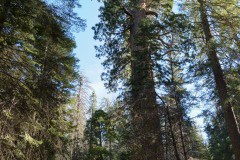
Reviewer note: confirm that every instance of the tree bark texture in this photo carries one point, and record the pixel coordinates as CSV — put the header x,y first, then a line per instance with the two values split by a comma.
x,y
145,113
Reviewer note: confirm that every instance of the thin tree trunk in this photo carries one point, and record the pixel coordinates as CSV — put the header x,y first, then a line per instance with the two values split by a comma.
x,y
180,116
110,148
91,137
182,141
172,135
100,140
221,86
177,103
165,132
145,113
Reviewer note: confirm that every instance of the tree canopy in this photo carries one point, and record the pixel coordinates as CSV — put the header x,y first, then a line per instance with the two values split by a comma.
x,y
163,58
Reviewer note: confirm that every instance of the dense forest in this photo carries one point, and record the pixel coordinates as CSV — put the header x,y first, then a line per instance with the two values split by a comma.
x,y
163,58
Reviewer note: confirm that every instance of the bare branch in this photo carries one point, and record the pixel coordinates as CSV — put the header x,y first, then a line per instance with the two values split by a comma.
x,y
163,42
152,13
127,11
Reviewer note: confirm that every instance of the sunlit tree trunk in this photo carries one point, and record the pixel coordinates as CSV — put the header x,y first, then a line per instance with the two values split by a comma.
x,y
145,114
221,86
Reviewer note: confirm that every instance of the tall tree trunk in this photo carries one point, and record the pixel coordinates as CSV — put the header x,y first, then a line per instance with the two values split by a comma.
x,y
91,138
100,139
221,86
174,142
145,113
179,113
110,149
182,141
180,124
166,134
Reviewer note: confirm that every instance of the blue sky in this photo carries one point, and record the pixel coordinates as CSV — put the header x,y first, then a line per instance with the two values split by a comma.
x,y
89,64
85,52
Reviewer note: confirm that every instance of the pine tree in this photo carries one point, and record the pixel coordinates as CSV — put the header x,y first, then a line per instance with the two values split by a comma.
x,y
218,139
182,138
210,23
37,71
78,111
90,127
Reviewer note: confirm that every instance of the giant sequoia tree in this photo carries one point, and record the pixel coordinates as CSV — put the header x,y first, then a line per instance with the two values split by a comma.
x,y
135,39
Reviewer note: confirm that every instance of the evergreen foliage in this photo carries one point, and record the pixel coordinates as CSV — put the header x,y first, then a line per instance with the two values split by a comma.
x,y
37,72
163,62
